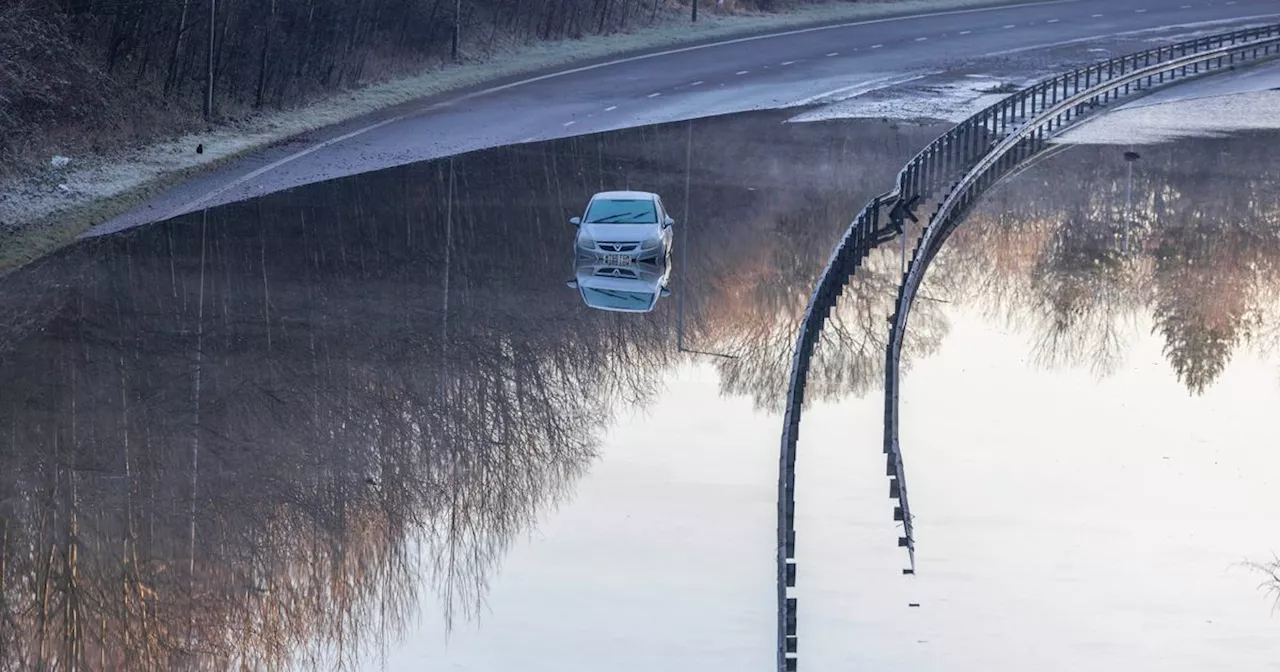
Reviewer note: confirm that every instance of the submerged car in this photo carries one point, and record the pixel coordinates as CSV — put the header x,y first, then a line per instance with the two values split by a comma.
x,y
632,288
624,227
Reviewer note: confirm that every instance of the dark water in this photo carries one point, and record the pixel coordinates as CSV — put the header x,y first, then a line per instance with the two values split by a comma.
x,y
365,422
283,430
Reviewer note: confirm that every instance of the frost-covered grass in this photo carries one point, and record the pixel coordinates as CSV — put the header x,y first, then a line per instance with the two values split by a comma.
x,y
1224,103
91,190
952,100
1167,122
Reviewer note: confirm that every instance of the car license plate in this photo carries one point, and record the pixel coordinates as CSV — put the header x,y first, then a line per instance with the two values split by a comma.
x,y
617,259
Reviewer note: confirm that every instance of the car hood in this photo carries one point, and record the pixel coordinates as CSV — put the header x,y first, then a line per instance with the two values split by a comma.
x,y
622,232
650,284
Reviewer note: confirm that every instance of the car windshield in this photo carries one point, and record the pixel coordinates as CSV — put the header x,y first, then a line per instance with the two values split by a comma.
x,y
612,298
622,211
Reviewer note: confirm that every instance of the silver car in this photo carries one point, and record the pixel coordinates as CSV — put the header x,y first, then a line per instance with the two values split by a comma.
x,y
633,288
624,227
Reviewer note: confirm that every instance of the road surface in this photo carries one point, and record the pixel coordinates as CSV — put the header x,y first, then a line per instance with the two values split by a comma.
x,y
787,69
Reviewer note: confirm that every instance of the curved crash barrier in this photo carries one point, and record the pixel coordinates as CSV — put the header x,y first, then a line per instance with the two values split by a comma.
x,y
951,173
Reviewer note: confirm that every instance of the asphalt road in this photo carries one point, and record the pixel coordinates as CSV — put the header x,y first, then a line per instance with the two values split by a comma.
x,y
753,73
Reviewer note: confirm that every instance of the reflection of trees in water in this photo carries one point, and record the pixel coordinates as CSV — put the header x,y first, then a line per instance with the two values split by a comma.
x,y
242,441
334,438
761,290
849,356
1203,262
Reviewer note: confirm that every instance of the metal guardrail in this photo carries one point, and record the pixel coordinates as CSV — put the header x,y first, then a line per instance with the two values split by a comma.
x,y
973,156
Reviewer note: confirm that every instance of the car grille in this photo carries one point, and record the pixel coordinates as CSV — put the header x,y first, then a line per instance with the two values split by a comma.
x,y
618,247
613,272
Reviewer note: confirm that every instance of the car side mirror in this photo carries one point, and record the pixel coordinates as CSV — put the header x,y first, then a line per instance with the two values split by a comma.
x,y
572,284
575,220
665,292
668,222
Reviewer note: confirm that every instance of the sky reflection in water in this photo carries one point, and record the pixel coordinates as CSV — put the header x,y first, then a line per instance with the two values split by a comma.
x,y
397,423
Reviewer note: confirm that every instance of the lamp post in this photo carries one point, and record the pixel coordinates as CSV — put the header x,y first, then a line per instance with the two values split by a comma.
x,y
1129,158
684,248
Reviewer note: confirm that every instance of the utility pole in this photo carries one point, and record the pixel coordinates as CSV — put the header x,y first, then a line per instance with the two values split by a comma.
x,y
457,27
695,11
208,79
684,235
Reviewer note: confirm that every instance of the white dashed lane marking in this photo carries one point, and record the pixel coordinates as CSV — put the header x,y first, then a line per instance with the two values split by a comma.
x,y
876,46
1139,11
1008,26
568,123
742,72
1051,21
921,39
788,62
654,95
965,32
697,83
611,108
1096,16
834,53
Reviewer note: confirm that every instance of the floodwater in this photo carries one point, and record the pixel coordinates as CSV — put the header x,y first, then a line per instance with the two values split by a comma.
x,y
1091,447
335,422
366,423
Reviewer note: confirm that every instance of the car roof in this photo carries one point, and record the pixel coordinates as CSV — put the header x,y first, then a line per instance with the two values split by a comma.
x,y
624,195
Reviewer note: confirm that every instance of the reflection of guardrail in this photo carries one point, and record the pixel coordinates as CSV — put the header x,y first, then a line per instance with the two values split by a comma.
x,y
970,158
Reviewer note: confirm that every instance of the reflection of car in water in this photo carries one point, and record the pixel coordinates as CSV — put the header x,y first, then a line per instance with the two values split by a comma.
x,y
624,227
634,288
622,252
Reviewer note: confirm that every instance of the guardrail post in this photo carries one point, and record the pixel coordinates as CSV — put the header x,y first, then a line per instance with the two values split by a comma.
x,y
925,170
940,161
972,149
935,166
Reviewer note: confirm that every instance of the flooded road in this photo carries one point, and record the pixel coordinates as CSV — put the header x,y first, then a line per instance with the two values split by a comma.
x,y
365,423
286,430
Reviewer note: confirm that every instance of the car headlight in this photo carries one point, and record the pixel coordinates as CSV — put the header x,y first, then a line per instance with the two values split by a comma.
x,y
652,244
586,242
